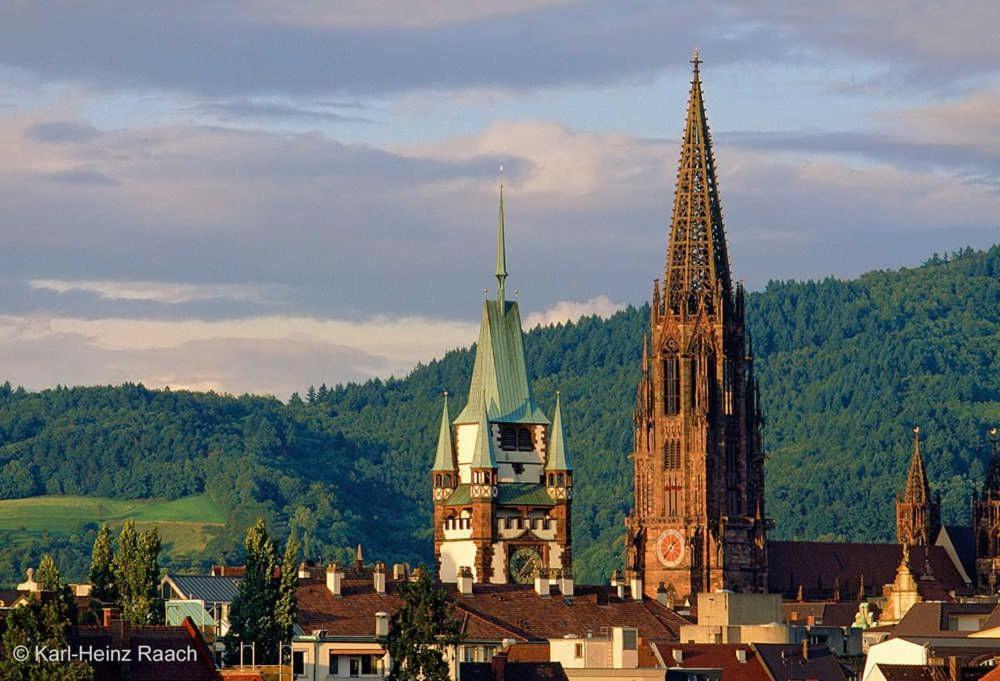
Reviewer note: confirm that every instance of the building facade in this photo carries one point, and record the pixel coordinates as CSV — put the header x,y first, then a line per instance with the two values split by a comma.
x,y
502,480
698,522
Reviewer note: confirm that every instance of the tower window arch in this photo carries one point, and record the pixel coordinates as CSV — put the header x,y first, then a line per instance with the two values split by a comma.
x,y
524,443
671,384
508,437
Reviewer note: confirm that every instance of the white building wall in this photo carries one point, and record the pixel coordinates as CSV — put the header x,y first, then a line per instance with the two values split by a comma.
x,y
456,554
893,651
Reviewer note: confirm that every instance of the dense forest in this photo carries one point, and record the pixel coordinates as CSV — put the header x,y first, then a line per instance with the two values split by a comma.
x,y
846,369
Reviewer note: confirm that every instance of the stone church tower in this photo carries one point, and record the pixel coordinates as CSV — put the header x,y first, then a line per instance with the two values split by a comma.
x,y
918,514
502,479
698,523
986,523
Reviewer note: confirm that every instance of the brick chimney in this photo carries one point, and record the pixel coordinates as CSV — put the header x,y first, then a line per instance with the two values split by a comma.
x,y
334,579
566,582
381,624
498,666
636,586
378,577
304,570
542,584
110,616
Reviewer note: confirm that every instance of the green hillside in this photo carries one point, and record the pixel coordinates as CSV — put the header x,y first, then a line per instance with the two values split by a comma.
x,y
846,369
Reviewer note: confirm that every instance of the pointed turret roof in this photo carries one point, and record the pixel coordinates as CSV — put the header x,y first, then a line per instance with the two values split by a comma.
x,y
918,489
557,459
483,454
992,482
696,257
444,460
499,374
501,269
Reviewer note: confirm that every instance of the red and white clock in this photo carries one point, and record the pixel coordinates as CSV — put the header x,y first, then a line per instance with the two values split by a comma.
x,y
670,548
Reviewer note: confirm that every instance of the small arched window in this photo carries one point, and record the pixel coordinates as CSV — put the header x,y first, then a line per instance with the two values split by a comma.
x,y
524,443
562,479
447,479
437,480
508,437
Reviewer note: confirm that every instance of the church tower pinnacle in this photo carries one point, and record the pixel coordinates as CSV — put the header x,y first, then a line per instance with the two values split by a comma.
x,y
698,522
918,514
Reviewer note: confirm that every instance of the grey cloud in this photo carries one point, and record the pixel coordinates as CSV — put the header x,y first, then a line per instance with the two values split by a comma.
x,y
61,132
82,176
255,110
219,49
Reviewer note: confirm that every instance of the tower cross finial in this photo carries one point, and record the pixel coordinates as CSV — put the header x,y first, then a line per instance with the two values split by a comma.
x,y
501,269
696,59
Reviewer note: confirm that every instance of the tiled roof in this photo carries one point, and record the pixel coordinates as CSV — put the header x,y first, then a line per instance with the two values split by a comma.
x,y
513,671
931,619
785,662
508,493
910,672
721,656
817,566
491,613
965,546
206,587
823,614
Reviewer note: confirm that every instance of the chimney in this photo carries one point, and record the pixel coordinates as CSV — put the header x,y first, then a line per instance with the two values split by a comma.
x,y
304,571
566,582
400,571
678,656
359,561
378,576
381,624
110,615
542,585
464,580
636,586
661,594
805,649
498,666
334,579
741,655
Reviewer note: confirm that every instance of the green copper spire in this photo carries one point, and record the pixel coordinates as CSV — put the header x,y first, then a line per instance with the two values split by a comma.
x,y
557,459
444,460
483,455
501,250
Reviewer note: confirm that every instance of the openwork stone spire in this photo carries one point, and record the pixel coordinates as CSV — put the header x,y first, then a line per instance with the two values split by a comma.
x,y
697,262
918,489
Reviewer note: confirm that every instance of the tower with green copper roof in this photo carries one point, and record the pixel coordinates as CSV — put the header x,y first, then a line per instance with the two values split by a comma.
x,y
501,518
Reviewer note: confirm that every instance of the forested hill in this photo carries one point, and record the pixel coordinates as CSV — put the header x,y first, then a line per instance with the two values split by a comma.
x,y
846,369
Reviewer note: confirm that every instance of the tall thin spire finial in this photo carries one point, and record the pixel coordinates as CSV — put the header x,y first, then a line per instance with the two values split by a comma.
x,y
696,60
501,269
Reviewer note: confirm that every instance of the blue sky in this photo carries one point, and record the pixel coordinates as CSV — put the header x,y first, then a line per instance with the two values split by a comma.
x,y
255,196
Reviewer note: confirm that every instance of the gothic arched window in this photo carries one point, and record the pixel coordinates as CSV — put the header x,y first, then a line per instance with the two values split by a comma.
x,y
671,384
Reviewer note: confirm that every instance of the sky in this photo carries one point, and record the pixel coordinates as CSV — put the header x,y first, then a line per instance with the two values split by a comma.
x,y
261,195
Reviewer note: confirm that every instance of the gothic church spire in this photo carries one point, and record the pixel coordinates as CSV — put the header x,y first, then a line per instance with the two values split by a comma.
x,y
697,261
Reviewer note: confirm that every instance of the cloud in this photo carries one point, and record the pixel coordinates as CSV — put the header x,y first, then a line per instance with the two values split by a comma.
x,y
276,355
155,291
258,110
571,310
60,132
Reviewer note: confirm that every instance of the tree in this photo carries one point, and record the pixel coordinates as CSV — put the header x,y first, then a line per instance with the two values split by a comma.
x,y
286,608
47,574
419,631
251,615
136,574
101,576
43,622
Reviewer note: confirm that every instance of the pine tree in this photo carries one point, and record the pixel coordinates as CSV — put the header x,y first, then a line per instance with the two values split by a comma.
x,y
420,629
286,609
135,570
251,615
101,577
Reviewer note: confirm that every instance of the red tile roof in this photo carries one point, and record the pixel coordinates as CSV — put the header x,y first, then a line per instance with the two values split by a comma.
x,y
817,567
720,656
786,662
490,613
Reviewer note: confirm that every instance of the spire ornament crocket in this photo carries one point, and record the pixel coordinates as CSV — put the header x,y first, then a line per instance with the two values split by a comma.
x,y
918,514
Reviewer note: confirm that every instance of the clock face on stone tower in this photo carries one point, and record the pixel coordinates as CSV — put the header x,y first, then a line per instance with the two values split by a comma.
x,y
670,548
523,564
